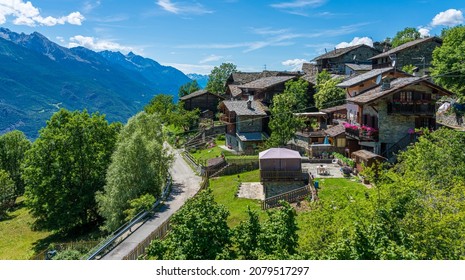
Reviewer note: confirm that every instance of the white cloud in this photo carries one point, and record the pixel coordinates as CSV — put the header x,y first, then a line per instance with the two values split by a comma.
x,y
450,17
298,4
424,32
24,13
210,58
356,41
96,44
90,5
183,7
296,64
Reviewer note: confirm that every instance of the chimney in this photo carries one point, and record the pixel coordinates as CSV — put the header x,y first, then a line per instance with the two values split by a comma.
x,y
249,104
386,84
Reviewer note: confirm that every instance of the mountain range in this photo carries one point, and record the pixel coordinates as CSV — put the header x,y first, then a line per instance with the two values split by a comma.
x,y
202,80
38,76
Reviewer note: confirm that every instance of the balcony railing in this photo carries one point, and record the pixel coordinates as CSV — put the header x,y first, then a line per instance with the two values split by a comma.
x,y
283,175
362,134
412,108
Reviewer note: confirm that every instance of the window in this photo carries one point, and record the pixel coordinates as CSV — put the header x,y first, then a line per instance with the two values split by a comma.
x,y
406,96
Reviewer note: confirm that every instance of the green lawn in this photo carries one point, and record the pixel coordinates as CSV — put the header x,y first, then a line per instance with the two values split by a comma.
x,y
225,189
17,240
339,194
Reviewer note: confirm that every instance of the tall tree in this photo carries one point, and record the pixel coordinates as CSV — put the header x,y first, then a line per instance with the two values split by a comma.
x,y
218,76
283,122
188,88
139,166
406,35
327,93
13,146
299,89
199,231
448,61
7,193
64,168
161,104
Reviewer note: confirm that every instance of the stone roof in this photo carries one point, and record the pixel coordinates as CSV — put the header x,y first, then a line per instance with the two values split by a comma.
x,y
377,92
279,153
235,91
363,77
198,93
366,154
359,67
406,46
334,109
338,52
335,130
241,109
266,82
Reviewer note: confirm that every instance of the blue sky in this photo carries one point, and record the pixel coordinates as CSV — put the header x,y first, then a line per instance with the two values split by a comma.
x,y
195,36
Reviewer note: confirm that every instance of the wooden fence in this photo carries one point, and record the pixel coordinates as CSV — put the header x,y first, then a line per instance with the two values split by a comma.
x,y
158,233
292,196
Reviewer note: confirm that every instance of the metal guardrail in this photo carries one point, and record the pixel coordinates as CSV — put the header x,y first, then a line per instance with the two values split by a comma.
x,y
104,246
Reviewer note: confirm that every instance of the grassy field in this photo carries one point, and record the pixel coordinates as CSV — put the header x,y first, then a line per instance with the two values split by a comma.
x,y
225,189
17,240
339,193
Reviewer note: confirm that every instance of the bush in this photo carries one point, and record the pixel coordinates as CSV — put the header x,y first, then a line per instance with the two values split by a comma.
x,y
347,161
68,255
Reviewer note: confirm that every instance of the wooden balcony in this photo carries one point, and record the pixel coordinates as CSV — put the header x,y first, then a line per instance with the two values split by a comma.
x,y
417,108
283,175
362,135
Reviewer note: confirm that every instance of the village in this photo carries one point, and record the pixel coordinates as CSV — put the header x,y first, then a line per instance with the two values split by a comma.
x,y
384,111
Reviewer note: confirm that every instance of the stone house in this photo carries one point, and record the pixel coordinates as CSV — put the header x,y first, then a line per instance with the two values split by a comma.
x,y
244,124
382,119
335,60
418,53
235,80
202,100
264,89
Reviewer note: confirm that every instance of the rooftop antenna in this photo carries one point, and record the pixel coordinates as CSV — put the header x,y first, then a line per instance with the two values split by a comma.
x,y
264,67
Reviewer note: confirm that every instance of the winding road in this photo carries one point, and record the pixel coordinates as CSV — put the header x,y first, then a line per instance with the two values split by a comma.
x,y
185,185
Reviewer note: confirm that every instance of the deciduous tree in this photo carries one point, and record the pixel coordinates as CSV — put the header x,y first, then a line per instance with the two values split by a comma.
x,y
188,88
406,35
218,77
64,168
13,146
449,61
7,193
199,231
327,93
283,122
139,166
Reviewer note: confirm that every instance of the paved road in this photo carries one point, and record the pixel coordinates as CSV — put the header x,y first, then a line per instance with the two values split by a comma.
x,y
185,185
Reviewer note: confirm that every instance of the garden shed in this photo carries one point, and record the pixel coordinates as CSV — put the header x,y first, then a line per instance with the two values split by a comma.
x,y
365,158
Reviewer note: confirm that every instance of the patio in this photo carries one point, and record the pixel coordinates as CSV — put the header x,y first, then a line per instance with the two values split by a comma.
x,y
323,170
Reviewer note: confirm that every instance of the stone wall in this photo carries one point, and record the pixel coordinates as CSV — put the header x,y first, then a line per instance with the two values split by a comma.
x,y
412,55
392,127
249,123
276,188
